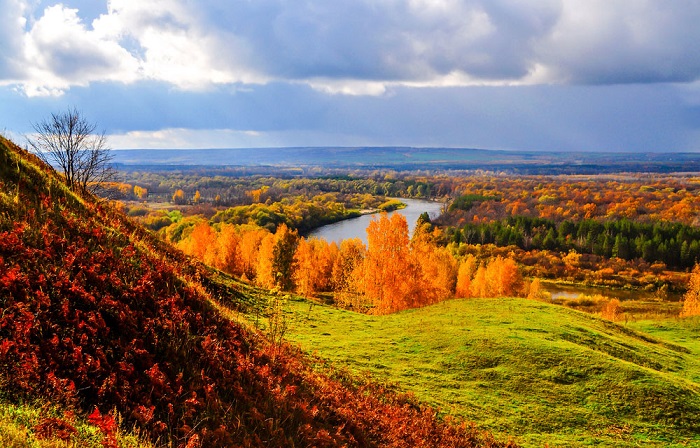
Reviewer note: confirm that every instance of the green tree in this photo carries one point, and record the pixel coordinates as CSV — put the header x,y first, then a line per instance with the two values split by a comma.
x,y
286,242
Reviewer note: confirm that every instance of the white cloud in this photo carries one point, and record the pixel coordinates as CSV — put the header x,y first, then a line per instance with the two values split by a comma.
x,y
11,33
60,52
356,47
180,138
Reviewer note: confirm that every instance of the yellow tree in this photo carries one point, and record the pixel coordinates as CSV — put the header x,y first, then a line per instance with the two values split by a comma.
x,y
535,291
264,275
305,272
479,286
691,299
179,197
612,311
388,274
464,276
436,268
229,259
509,282
326,255
345,275
140,192
249,248
201,243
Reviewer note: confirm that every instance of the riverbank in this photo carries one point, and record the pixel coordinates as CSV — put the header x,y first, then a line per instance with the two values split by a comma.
x,y
356,227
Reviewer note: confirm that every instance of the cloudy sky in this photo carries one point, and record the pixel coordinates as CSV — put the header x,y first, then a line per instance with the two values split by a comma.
x,y
604,75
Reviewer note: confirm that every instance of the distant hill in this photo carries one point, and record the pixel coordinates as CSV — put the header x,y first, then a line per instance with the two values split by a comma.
x,y
406,158
97,313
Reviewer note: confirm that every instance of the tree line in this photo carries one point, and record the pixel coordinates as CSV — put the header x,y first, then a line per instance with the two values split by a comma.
x,y
675,244
392,273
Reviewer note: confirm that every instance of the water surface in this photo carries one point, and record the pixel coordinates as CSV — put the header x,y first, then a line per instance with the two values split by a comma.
x,y
357,227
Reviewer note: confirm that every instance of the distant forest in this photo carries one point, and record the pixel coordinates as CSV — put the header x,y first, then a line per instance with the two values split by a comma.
x,y
405,158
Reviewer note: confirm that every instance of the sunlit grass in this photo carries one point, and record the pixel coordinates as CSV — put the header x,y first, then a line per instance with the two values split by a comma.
x,y
544,373
19,423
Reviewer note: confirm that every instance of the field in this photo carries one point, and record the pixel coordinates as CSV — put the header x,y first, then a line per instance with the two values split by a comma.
x,y
542,372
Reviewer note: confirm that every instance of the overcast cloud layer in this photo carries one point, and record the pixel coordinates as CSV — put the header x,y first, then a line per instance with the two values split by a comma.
x,y
530,74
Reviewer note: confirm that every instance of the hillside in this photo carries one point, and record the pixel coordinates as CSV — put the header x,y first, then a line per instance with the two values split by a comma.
x,y
543,372
98,315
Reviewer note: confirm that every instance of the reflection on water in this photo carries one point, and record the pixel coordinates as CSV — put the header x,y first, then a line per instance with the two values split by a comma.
x,y
357,227
570,292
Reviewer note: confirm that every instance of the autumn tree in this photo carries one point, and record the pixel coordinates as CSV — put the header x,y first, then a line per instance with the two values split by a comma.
x,y
249,251
314,260
503,277
535,290
467,268
691,299
140,192
276,259
264,273
70,142
229,253
202,243
389,275
499,277
306,274
435,266
179,197
479,286
347,274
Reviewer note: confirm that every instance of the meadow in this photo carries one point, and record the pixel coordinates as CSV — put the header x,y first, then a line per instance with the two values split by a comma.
x,y
545,373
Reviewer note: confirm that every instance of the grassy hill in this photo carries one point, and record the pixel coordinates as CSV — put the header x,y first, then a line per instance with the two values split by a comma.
x,y
544,372
109,325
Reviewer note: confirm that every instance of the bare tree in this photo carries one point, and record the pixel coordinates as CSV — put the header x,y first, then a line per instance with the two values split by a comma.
x,y
68,141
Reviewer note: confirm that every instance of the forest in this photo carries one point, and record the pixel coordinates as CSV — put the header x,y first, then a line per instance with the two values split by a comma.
x,y
627,230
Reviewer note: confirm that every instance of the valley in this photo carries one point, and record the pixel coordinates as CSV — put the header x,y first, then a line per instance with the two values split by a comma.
x,y
195,305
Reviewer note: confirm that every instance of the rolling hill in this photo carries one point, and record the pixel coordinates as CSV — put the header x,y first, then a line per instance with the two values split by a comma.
x,y
545,373
101,319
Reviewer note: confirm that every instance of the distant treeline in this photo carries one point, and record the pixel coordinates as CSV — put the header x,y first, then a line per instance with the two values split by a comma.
x,y
676,245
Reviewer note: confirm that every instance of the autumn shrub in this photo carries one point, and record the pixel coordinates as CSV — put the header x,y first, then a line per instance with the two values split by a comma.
x,y
612,311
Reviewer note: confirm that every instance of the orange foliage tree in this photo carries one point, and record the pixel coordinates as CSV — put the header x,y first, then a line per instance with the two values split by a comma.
x,y
314,260
389,275
467,268
499,277
346,273
691,299
437,267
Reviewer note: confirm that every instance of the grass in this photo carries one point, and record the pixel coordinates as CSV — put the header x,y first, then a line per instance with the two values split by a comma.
x,y
19,423
544,373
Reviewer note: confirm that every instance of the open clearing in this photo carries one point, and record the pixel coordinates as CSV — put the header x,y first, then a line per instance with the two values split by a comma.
x,y
547,373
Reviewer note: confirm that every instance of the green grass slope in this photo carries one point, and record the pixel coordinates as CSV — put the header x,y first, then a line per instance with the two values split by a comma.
x,y
550,374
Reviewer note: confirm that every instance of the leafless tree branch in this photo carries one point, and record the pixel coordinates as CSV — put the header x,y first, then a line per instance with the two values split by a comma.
x,y
68,142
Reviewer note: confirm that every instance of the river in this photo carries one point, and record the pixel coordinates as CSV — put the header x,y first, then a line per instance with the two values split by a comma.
x,y
357,227
569,292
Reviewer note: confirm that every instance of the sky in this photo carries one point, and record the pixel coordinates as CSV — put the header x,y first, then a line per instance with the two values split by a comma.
x,y
552,75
